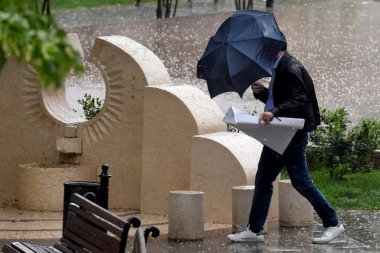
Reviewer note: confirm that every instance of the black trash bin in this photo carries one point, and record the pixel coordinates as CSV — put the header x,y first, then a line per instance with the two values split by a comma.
x,y
94,191
81,187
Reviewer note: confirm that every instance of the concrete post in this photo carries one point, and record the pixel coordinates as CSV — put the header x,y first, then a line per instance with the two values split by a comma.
x,y
295,210
241,206
186,215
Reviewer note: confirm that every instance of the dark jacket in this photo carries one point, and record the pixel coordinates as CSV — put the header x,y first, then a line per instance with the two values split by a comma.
x,y
293,93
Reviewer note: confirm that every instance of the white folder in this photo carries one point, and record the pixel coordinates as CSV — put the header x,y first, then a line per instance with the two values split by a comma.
x,y
277,135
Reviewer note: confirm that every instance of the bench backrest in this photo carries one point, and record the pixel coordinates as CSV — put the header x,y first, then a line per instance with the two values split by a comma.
x,y
91,228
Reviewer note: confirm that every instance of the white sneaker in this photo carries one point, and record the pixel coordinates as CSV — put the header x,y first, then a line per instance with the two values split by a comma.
x,y
247,236
330,234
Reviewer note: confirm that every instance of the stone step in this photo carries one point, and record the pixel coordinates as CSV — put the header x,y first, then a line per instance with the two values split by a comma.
x,y
19,225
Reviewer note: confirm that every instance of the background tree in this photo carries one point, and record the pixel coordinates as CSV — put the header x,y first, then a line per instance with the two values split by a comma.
x,y
167,4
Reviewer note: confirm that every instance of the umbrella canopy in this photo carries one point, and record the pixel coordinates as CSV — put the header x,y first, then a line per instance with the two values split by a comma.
x,y
241,52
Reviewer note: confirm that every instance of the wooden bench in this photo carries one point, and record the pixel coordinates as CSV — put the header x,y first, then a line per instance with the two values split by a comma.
x,y
90,228
141,238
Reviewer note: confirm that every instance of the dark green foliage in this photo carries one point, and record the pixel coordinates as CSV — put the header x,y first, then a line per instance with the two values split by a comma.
x,y
342,150
91,106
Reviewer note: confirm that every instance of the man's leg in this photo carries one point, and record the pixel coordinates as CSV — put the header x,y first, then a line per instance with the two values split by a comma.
x,y
267,172
268,169
296,164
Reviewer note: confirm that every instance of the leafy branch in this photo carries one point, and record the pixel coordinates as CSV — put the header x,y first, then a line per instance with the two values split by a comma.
x,y
37,40
91,106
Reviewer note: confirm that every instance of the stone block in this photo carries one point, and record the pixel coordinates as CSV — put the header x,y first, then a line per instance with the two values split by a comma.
x,y
186,215
40,185
172,116
295,210
241,206
220,161
70,131
68,158
69,145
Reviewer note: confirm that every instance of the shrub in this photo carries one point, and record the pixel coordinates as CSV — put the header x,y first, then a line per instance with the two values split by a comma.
x,y
345,151
91,106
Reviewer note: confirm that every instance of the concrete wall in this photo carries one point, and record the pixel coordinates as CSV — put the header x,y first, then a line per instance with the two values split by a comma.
x,y
172,115
220,161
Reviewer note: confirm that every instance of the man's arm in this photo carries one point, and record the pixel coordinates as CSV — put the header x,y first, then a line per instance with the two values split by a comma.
x,y
260,92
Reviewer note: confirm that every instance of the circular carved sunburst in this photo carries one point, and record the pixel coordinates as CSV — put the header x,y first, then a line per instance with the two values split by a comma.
x,y
40,103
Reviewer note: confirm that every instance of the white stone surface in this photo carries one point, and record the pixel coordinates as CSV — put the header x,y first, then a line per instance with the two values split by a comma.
x,y
220,161
69,145
172,115
241,206
40,185
70,131
295,210
186,215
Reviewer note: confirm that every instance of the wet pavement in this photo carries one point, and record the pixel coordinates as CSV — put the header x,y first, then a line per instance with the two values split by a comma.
x,y
362,235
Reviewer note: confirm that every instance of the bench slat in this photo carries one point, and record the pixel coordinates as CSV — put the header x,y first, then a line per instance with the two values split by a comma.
x,y
51,249
62,248
88,236
8,249
99,221
21,247
94,208
34,248
72,246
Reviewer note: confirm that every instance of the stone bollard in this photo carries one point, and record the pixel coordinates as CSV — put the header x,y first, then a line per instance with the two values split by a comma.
x,y
295,210
186,215
241,206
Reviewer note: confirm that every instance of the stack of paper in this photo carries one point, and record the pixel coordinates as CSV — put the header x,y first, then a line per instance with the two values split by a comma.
x,y
277,135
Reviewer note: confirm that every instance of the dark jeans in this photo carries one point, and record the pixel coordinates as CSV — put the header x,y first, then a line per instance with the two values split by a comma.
x,y
270,165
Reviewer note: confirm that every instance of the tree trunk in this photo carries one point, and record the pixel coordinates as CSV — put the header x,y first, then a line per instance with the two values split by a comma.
x,y
46,7
159,9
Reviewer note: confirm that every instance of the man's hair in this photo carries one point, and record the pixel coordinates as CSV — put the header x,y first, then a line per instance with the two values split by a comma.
x,y
285,47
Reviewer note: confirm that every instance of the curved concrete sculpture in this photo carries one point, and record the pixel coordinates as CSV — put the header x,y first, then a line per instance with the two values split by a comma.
x,y
172,115
115,135
220,161
32,119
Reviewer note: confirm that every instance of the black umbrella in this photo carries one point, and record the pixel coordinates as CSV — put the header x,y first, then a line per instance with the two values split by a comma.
x,y
241,52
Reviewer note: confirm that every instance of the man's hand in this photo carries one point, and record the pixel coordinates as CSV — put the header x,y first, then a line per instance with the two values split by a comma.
x,y
266,117
257,87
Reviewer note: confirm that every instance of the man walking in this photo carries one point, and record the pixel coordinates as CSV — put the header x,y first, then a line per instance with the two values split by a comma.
x,y
290,94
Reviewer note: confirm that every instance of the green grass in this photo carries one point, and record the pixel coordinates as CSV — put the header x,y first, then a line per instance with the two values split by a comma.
x,y
356,192
73,4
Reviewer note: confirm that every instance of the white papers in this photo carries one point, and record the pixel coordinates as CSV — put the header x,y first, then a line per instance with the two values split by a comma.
x,y
277,135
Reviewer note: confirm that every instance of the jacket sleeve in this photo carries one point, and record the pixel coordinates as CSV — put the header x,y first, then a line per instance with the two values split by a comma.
x,y
262,96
